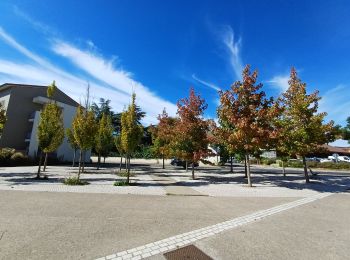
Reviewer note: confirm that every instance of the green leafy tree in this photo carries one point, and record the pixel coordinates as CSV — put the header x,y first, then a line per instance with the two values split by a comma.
x,y
302,128
249,115
3,118
73,144
118,145
50,129
84,128
104,137
131,132
190,140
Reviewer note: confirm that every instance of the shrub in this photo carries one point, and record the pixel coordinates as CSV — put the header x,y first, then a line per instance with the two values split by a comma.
x,y
326,165
268,161
6,153
120,183
74,181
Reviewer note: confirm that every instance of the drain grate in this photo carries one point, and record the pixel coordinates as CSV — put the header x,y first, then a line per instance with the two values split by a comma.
x,y
190,252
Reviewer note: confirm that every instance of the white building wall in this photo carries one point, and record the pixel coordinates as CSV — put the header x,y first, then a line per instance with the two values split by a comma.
x,y
64,151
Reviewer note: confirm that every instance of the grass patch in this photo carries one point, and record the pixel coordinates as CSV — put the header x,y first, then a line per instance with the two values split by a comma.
x,y
124,173
120,183
74,181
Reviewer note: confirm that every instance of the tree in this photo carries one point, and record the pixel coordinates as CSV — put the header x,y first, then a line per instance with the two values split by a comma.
x,y
302,130
104,137
118,145
72,142
249,116
131,132
50,129
190,140
162,134
84,129
3,117
346,130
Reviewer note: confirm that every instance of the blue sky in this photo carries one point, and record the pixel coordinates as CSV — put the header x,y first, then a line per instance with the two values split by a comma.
x,y
162,48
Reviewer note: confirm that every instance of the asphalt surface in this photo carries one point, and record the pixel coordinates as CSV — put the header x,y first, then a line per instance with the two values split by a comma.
x,y
48,225
319,230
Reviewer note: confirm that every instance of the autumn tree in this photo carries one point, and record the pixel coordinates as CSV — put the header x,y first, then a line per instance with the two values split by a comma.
x,y
131,132
72,142
84,129
104,137
302,128
248,115
3,117
162,135
190,140
50,129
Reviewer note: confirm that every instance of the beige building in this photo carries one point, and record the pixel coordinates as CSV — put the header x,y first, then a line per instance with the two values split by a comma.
x,y
23,104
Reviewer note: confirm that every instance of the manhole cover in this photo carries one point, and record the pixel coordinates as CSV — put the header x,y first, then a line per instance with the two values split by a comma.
x,y
188,252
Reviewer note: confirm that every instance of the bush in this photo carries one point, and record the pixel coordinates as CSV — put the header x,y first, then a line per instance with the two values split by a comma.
x,y
74,181
326,165
120,183
9,157
268,161
145,152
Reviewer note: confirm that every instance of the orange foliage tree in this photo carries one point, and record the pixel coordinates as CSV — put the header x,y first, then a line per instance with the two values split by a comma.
x,y
249,115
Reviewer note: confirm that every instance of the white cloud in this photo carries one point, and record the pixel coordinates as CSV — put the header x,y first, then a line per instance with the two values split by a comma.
x,y
233,48
117,86
280,82
205,83
336,102
119,79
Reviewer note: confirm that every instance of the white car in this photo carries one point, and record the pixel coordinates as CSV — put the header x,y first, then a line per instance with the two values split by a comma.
x,y
324,160
344,159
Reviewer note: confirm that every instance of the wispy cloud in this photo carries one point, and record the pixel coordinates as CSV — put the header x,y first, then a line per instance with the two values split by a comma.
x,y
280,82
233,48
205,83
108,83
336,102
105,71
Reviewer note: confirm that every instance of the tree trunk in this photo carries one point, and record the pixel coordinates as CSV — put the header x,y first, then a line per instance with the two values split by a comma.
x,y
80,163
163,161
283,169
104,160
231,165
126,163
83,161
186,166
45,162
121,161
39,168
307,180
128,170
248,170
75,151
98,161
245,167
192,170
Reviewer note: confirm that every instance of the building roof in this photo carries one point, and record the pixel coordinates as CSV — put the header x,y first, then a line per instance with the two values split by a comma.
x,y
339,150
11,85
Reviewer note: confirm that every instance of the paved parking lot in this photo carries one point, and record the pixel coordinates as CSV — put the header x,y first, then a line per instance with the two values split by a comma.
x,y
48,220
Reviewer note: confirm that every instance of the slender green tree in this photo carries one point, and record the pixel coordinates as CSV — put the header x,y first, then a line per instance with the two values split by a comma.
x,y
84,129
73,144
104,137
302,128
131,132
118,145
50,129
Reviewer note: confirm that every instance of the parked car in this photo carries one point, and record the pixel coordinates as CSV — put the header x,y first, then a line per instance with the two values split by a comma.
x,y
178,162
344,159
313,159
324,160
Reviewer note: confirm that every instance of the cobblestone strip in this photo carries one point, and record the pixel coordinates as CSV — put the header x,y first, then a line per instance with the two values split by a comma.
x,y
181,240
